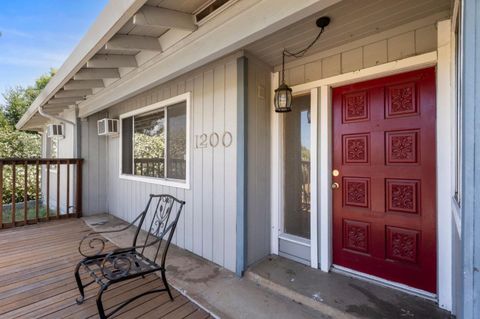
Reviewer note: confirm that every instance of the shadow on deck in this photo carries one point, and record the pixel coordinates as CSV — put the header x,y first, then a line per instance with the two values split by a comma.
x,y
36,279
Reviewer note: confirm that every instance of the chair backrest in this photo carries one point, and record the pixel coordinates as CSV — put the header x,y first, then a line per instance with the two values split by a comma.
x,y
164,211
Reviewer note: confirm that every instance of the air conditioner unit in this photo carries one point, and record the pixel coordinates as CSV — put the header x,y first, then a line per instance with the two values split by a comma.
x,y
107,127
55,131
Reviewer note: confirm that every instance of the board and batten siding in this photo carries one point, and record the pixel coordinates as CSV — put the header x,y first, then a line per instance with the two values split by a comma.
x,y
409,40
95,173
258,159
207,225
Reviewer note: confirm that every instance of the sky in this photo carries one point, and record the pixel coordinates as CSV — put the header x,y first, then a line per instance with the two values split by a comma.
x,y
37,35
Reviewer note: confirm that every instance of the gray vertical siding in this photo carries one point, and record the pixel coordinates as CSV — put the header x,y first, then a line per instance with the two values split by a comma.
x,y
94,153
258,161
207,225
471,162
66,149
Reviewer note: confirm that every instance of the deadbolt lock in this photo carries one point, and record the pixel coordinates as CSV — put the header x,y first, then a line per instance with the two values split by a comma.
x,y
335,172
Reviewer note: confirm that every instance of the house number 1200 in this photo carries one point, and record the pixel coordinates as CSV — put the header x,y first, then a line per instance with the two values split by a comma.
x,y
213,140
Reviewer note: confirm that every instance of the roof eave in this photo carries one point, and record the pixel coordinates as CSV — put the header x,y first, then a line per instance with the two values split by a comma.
x,y
115,14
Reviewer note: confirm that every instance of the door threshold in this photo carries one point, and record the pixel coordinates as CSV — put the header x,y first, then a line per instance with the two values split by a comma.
x,y
295,239
384,282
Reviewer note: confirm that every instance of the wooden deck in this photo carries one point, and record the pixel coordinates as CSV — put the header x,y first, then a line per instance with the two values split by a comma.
x,y
36,279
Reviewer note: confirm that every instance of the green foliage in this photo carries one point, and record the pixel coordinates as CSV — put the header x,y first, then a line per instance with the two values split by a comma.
x,y
18,99
19,144
305,154
147,146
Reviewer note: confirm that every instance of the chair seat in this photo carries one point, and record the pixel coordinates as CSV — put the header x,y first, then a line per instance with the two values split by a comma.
x,y
124,265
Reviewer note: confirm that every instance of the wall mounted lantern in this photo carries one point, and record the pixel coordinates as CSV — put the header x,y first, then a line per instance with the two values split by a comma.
x,y
283,94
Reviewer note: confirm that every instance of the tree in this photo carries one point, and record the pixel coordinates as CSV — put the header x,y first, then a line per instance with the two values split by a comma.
x,y
19,144
19,99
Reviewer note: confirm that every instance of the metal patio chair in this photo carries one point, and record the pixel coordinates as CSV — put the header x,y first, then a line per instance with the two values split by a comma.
x,y
109,268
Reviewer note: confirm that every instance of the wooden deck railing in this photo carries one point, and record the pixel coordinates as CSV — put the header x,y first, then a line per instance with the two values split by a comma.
x,y
25,190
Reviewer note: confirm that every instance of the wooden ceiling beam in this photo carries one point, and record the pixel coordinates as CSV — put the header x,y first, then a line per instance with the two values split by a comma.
x,y
74,93
83,84
49,108
97,74
64,100
112,61
164,18
133,42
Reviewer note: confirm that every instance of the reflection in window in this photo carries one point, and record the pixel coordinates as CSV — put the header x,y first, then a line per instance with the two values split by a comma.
x,y
177,141
154,143
149,144
297,168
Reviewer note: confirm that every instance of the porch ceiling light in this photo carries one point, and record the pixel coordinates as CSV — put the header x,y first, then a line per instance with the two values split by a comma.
x,y
283,94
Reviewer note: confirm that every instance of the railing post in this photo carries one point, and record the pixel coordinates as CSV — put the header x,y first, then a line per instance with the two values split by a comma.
x,y
58,189
37,188
25,194
48,190
68,188
14,182
1,194
78,190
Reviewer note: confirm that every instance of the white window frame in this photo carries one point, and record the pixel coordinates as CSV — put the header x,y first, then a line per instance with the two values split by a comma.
x,y
186,97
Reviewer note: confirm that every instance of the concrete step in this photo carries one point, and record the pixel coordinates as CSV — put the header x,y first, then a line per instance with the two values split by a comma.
x,y
338,295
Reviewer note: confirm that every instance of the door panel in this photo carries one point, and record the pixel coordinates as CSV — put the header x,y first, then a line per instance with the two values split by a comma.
x,y
384,214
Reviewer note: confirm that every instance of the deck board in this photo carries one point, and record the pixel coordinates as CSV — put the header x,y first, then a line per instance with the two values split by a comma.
x,y
36,279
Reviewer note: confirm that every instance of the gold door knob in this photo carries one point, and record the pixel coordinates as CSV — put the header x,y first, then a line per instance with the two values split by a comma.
x,y
335,185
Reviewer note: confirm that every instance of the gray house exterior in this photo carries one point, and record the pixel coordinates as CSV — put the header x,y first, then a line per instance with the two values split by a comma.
x,y
468,262
200,87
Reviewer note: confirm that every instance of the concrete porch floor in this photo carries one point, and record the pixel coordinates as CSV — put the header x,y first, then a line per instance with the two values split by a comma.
x,y
277,288
211,287
338,293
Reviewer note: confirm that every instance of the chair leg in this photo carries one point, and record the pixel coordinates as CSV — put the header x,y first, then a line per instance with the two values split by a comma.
x,y
80,299
101,311
164,279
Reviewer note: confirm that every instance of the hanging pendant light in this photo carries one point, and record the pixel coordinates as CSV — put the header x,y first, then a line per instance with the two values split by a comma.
x,y
283,94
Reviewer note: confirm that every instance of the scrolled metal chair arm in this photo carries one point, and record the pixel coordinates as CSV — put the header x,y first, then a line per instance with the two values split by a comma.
x,y
90,247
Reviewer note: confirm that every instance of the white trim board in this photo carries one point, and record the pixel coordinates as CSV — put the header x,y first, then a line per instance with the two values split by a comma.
x,y
444,162
276,185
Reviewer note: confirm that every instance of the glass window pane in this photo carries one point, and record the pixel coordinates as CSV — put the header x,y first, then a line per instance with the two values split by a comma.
x,y
297,168
177,141
127,145
149,144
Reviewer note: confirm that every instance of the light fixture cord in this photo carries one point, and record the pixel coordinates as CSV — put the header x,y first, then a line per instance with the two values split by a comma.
x,y
298,54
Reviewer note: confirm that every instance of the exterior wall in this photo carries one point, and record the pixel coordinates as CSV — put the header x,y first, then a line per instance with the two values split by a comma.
x,y
65,150
398,43
457,270
95,173
258,160
207,225
470,296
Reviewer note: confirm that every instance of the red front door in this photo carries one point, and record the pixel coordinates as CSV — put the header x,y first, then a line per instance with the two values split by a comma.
x,y
384,149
